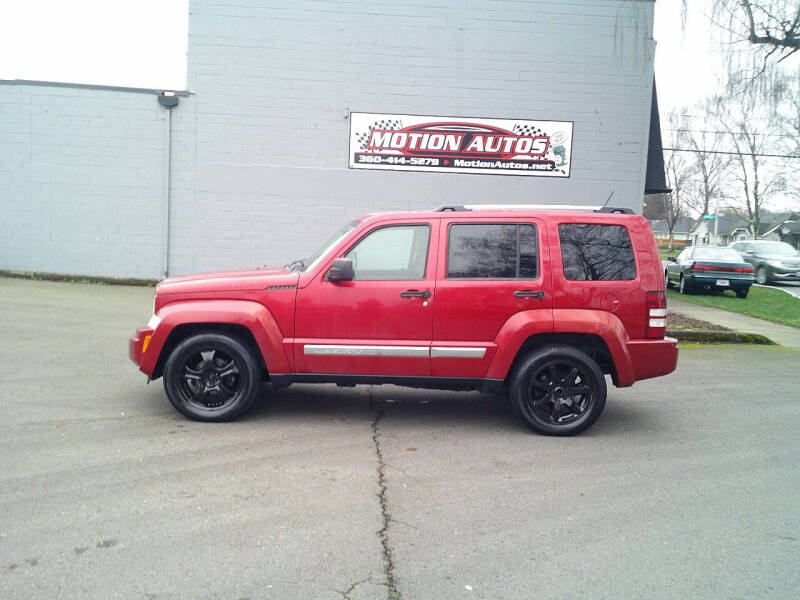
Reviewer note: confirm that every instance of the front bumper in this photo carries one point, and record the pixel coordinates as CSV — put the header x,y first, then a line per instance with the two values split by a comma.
x,y
138,342
781,274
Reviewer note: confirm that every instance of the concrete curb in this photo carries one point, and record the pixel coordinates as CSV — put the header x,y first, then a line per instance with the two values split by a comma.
x,y
719,337
77,278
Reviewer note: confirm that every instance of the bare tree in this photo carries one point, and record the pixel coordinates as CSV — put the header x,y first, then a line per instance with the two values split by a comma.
x,y
771,24
712,166
774,24
789,119
763,39
752,134
679,169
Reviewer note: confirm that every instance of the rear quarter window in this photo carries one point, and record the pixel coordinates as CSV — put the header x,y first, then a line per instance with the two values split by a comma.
x,y
596,252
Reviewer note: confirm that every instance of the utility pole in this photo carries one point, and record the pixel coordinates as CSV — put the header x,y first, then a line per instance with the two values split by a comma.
x,y
716,223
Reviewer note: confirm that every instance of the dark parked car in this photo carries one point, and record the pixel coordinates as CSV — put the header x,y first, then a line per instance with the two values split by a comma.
x,y
772,261
709,268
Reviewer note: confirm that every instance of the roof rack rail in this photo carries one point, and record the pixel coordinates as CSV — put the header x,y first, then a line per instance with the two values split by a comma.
x,y
616,209
471,207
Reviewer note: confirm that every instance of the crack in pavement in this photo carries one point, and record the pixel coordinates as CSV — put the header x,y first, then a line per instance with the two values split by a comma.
x,y
383,534
346,593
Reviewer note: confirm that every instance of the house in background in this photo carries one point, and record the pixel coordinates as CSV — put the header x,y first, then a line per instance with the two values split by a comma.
x,y
778,227
730,229
680,233
790,233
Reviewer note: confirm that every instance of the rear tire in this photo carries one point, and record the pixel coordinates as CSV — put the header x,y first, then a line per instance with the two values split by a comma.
x,y
558,390
211,377
684,287
742,293
667,282
762,277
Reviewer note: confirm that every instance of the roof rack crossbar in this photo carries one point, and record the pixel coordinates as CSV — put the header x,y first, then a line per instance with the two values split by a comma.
x,y
470,207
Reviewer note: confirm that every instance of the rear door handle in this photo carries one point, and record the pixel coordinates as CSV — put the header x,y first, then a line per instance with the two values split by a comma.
x,y
415,294
528,294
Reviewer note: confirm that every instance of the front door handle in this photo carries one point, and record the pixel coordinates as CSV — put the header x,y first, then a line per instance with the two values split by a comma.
x,y
415,294
528,294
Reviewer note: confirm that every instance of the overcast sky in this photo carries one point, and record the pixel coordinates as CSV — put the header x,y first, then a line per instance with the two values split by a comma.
x,y
136,43
142,43
689,61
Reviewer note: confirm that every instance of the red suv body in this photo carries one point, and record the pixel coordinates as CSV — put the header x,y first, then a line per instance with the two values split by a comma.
x,y
542,302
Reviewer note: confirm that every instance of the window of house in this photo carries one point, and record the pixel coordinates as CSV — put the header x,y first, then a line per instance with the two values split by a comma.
x,y
492,251
596,252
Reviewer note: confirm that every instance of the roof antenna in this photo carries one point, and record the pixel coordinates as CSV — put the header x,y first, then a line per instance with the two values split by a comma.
x,y
607,199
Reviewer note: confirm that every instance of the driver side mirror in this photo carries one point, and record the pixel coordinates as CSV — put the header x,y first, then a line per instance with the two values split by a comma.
x,y
672,258
341,270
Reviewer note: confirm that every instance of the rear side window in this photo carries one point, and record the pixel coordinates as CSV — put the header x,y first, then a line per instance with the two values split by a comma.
x,y
596,252
492,251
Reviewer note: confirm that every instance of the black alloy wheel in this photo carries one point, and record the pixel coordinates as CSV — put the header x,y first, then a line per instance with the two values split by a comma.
x,y
211,377
559,390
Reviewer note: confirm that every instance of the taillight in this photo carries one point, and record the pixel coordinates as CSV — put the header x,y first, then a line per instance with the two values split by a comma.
x,y
656,315
721,268
696,267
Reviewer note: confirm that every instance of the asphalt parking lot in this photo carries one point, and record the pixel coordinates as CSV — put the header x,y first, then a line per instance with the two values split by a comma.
x,y
687,487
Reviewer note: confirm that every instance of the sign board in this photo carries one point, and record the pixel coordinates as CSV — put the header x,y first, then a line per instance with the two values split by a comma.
x,y
460,145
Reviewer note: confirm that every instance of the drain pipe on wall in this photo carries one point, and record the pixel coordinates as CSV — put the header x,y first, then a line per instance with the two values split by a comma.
x,y
169,101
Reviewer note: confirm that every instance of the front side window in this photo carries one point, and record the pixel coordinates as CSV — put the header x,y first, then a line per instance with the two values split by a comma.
x,y
492,251
596,252
392,253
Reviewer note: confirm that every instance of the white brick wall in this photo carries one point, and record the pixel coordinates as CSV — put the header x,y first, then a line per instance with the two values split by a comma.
x,y
273,84
259,151
81,180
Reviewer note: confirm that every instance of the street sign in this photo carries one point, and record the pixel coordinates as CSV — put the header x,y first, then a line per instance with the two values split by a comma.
x,y
709,217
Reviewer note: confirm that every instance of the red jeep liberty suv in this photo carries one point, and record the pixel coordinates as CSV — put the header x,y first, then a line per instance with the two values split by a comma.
x,y
542,301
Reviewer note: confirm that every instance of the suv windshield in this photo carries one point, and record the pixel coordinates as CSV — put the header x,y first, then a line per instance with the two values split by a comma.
x,y
304,264
775,248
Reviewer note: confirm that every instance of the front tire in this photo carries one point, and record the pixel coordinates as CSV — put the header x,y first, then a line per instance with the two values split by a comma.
x,y
559,390
211,377
667,281
762,277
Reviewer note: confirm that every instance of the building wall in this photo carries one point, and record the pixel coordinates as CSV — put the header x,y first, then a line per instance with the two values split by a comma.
x,y
274,85
259,150
81,181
